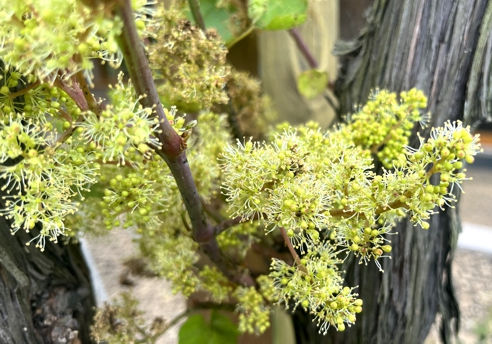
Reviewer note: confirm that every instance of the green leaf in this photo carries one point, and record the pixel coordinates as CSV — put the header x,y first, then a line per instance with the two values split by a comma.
x,y
224,331
312,83
221,330
278,14
194,331
58,124
219,19
96,191
256,9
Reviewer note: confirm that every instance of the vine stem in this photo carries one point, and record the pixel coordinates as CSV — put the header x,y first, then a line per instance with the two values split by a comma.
x,y
224,225
173,147
197,14
310,59
24,90
178,317
303,48
245,33
73,92
292,250
80,93
170,324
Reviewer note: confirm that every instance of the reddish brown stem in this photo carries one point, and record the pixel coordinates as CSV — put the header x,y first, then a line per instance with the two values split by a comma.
x,y
82,96
138,67
73,92
310,59
197,14
233,222
24,90
86,91
172,150
303,48
292,250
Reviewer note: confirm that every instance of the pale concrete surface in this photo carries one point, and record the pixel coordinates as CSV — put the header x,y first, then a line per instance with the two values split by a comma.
x,y
154,294
476,237
476,202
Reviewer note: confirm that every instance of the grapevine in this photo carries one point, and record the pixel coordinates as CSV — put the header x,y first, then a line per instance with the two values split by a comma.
x,y
198,199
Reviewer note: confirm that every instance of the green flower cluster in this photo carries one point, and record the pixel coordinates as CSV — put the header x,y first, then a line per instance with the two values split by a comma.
x,y
294,182
254,312
191,64
172,253
60,37
53,153
265,284
215,283
124,129
140,199
238,240
40,181
443,154
321,189
173,256
384,124
317,287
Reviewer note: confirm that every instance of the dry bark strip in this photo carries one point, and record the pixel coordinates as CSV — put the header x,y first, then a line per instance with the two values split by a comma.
x,y
45,297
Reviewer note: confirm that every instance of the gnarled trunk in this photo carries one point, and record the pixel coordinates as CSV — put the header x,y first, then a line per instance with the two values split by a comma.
x,y
45,297
443,48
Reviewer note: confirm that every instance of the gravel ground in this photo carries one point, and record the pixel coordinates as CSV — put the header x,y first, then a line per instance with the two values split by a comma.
x,y
476,202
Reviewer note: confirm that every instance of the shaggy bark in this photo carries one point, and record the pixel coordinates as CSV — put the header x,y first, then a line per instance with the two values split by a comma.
x,y
45,297
443,48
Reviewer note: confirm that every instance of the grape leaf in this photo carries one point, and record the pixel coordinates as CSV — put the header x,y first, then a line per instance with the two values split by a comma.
x,y
219,19
256,9
194,330
221,330
280,14
312,83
